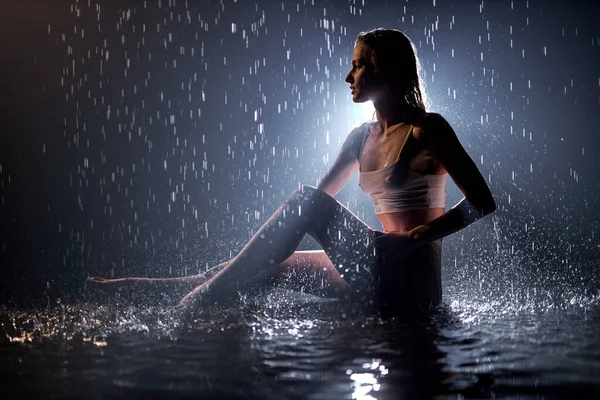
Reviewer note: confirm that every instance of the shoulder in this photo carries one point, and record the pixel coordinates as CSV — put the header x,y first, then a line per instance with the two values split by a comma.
x,y
353,143
432,128
359,132
431,122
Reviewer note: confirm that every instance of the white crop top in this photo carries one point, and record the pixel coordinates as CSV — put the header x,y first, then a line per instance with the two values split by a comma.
x,y
397,188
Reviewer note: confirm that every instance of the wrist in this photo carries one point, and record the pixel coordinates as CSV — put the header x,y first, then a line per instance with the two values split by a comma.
x,y
419,234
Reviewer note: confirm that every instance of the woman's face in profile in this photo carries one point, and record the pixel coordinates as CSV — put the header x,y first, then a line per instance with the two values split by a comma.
x,y
364,82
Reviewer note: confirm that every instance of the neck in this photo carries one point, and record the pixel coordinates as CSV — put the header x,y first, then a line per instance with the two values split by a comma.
x,y
391,113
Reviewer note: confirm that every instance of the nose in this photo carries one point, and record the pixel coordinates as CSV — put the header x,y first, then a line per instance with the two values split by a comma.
x,y
349,78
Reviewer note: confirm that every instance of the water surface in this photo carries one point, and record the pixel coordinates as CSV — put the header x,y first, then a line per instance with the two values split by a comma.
x,y
289,345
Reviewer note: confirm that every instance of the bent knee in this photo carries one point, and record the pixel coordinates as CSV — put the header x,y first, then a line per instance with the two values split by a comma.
x,y
308,192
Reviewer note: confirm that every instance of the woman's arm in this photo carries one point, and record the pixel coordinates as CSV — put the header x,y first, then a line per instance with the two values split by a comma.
x,y
478,201
345,165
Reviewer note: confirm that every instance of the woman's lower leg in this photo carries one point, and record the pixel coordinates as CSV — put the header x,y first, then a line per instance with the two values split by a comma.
x,y
189,279
143,284
272,244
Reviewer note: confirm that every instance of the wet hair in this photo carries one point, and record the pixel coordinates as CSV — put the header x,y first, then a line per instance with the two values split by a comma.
x,y
392,54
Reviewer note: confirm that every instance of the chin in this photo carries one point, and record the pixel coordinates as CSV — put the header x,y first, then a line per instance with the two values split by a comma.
x,y
358,99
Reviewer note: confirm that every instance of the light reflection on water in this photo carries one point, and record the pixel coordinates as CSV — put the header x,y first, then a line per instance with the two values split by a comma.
x,y
299,347
366,382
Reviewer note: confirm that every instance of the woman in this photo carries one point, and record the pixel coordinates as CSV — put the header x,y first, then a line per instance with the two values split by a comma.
x,y
404,159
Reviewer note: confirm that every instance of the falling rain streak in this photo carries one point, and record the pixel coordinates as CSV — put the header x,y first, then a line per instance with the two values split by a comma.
x,y
183,125
153,138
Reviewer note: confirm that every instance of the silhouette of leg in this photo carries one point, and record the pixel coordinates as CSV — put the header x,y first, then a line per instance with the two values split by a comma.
x,y
346,240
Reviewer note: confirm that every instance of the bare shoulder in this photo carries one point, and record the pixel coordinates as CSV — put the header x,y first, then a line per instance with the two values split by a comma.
x,y
357,134
353,142
431,125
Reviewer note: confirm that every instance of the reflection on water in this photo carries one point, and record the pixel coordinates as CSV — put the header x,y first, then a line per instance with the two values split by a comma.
x,y
366,382
287,345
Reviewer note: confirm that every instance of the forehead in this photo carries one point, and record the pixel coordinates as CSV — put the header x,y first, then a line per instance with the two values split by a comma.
x,y
359,51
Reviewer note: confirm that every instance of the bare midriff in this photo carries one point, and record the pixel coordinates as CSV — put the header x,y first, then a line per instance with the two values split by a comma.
x,y
404,221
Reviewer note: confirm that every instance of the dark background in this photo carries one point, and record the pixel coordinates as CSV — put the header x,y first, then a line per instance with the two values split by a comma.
x,y
153,138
